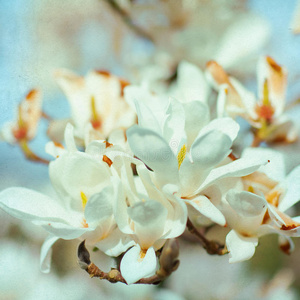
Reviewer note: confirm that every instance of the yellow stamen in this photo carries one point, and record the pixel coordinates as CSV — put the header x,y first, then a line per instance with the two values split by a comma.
x,y
84,199
273,197
250,189
95,120
181,155
21,123
142,254
266,100
94,111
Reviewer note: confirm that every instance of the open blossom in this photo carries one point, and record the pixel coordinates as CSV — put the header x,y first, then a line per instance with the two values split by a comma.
x,y
266,115
24,128
87,186
183,148
96,99
260,208
149,218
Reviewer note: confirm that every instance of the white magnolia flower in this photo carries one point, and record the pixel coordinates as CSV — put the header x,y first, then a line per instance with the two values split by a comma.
x,y
24,128
149,217
87,186
179,144
260,209
266,115
96,99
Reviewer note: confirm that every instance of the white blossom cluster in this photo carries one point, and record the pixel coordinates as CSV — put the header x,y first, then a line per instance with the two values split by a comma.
x,y
137,166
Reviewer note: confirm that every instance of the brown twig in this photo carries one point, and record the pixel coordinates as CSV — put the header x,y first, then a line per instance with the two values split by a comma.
x,y
128,21
211,247
168,264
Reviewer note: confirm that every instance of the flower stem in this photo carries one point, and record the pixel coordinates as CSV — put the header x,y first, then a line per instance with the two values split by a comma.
x,y
128,21
211,247
114,275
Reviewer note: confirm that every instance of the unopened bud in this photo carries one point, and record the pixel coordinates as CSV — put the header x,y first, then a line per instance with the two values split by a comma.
x,y
169,258
83,256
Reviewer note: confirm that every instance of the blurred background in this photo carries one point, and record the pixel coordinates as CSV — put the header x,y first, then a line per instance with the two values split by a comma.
x,y
137,40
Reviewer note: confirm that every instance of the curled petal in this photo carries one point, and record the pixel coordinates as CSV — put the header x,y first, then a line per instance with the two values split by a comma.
x,y
138,263
204,206
240,248
292,195
115,243
247,204
238,168
46,252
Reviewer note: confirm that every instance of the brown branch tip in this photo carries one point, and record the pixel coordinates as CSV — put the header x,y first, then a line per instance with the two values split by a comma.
x,y
168,260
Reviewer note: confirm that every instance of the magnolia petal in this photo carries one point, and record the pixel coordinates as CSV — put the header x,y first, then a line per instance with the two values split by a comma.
x,y
56,129
99,206
69,138
29,205
191,83
210,149
135,94
248,34
276,216
197,116
137,264
287,225
238,168
6,133
286,244
46,253
173,130
275,169
120,212
203,205
247,204
240,248
276,77
115,243
177,217
63,230
248,99
155,152
149,219
96,148
283,131
41,210
291,185
54,149
221,101
146,118
225,125
75,173
191,175
68,81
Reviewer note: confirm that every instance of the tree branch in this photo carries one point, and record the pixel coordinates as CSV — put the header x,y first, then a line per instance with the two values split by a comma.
x,y
211,247
168,264
128,21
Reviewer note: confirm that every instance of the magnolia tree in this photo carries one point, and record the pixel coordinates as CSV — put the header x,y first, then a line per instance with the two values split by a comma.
x,y
135,170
